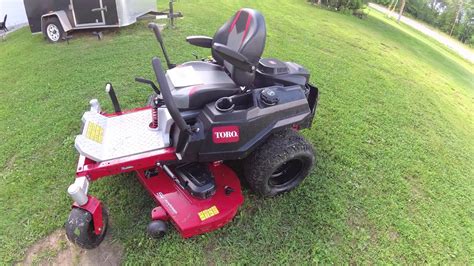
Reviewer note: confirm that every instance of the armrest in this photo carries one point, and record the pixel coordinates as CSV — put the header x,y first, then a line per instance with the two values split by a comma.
x,y
235,58
201,41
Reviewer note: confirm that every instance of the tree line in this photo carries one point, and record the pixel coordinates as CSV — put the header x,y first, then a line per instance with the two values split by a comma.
x,y
454,17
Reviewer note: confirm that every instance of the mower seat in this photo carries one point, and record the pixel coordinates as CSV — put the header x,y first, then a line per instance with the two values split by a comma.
x,y
194,84
244,33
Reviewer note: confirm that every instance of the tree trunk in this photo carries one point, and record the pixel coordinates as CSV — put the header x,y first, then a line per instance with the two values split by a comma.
x,y
402,7
461,3
319,2
392,9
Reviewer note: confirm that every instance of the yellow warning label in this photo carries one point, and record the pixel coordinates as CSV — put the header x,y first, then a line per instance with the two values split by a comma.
x,y
94,132
206,214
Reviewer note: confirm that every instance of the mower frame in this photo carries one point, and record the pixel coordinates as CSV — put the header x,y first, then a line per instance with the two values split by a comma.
x,y
173,202
258,119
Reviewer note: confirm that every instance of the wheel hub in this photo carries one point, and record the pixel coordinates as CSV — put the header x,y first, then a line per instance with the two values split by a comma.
x,y
53,32
286,173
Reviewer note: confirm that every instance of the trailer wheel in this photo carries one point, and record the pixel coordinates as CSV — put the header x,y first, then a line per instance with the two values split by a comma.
x,y
279,164
80,228
53,30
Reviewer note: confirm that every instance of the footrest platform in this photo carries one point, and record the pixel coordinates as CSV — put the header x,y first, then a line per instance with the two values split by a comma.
x,y
105,138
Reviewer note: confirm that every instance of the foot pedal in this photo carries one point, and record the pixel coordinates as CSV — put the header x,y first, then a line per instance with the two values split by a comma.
x,y
197,179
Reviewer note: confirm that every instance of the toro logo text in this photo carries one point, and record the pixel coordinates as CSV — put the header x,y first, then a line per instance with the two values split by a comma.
x,y
225,134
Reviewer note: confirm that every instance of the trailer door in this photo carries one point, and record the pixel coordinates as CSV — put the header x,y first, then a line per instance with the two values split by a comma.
x,y
88,12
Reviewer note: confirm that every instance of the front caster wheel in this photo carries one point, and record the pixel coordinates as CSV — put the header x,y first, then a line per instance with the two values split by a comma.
x,y
280,164
80,228
157,229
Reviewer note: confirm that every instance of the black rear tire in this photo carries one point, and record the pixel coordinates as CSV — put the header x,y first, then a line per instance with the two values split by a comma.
x,y
280,164
53,30
80,228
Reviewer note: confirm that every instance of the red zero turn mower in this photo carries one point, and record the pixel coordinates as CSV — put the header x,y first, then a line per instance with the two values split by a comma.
x,y
237,109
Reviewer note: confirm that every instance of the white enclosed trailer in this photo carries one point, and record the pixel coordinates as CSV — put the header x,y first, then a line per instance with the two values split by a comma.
x,y
54,18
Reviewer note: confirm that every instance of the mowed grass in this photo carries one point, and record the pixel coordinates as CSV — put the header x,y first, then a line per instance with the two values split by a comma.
x,y
394,140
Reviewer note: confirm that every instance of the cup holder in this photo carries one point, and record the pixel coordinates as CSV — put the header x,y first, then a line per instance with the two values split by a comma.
x,y
225,104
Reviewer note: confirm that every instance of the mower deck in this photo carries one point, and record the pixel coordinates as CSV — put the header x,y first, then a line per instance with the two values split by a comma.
x,y
106,138
190,215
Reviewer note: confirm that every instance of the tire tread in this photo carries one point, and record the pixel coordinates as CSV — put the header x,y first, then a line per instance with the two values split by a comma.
x,y
278,148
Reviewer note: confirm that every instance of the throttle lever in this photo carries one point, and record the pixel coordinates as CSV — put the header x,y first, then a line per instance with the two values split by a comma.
x,y
149,82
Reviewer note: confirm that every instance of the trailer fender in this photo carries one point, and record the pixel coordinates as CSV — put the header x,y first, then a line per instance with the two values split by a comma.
x,y
63,19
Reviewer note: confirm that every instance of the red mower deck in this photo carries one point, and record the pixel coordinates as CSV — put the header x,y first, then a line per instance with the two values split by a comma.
x,y
192,216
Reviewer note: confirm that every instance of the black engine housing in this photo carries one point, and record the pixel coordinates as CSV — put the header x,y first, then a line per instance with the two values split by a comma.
x,y
234,133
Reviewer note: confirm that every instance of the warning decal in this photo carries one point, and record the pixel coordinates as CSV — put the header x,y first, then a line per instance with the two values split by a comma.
x,y
94,132
206,214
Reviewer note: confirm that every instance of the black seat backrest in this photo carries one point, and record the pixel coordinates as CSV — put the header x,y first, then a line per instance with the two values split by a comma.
x,y
245,33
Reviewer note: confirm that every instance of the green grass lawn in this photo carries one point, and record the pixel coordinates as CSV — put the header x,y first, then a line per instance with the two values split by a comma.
x,y
394,140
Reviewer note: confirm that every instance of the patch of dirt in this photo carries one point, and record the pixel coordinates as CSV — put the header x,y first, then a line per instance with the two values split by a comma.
x,y
415,187
10,163
359,222
56,249
393,235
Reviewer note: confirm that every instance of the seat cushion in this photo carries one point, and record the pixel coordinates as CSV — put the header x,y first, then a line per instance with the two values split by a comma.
x,y
197,83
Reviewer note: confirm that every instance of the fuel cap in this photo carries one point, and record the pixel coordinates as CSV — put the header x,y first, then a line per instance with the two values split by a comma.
x,y
269,96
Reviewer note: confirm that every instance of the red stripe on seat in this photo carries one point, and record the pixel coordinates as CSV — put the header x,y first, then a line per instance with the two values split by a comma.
x,y
235,21
247,26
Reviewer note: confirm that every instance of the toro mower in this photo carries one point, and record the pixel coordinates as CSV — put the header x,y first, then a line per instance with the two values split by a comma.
x,y
232,109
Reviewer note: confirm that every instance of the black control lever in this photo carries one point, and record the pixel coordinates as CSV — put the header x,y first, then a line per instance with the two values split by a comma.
x,y
113,97
148,82
156,30
168,97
